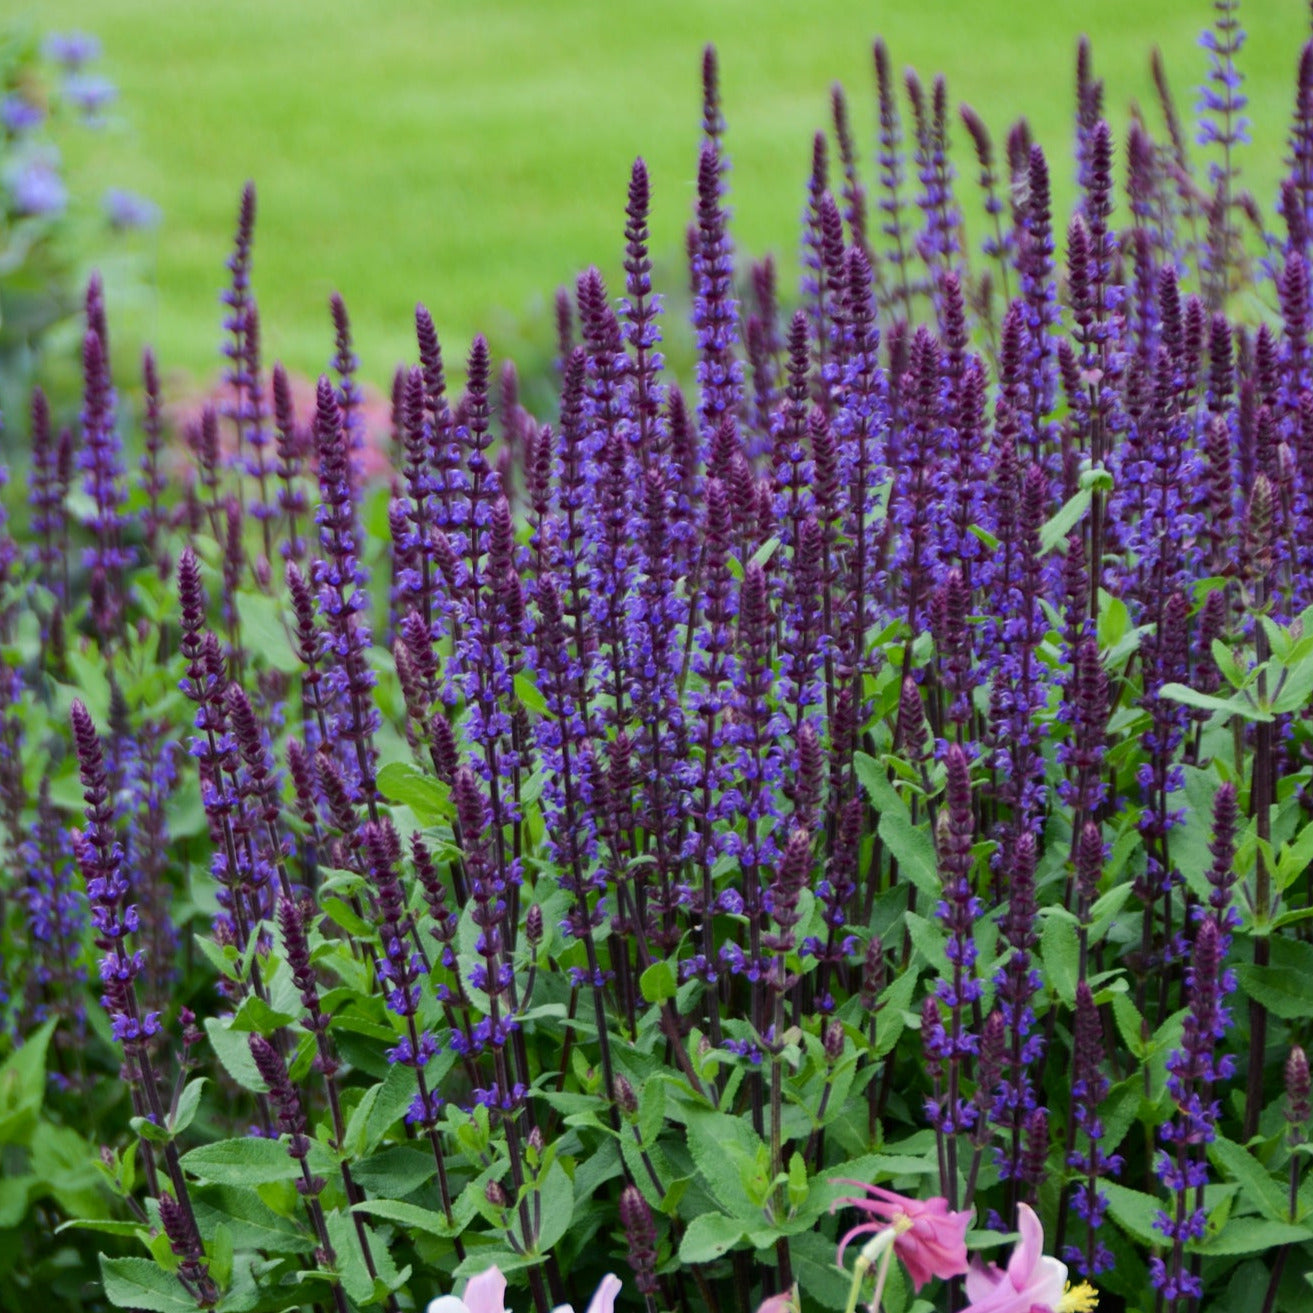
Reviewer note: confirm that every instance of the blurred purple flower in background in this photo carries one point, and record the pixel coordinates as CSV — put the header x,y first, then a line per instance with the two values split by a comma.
x,y
126,210
35,187
91,95
71,49
19,115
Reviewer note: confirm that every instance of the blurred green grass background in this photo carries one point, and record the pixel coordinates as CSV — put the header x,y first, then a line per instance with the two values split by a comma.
x,y
474,154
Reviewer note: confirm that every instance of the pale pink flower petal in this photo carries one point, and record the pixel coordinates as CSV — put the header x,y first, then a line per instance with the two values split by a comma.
x,y
1033,1281
603,1300
486,1293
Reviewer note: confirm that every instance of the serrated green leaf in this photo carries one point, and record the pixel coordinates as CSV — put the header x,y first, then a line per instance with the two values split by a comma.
x,y
255,1016
138,1283
1060,950
1259,1188
356,1281
1253,1235
1134,1212
557,1195
233,1050
930,940
412,1216
1131,1025
710,1235
1285,992
395,1094
910,844
241,1161
250,1221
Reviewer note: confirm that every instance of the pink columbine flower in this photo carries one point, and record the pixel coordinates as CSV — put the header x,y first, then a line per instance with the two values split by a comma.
x,y
486,1293
929,1240
1033,1282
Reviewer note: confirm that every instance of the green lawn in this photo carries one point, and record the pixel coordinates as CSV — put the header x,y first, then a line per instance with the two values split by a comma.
x,y
474,153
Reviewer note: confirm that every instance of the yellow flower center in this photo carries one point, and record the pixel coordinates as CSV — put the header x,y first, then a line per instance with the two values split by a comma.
x,y
902,1223
1078,1299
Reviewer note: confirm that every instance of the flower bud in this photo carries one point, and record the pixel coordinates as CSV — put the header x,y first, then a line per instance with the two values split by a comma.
x,y
626,1099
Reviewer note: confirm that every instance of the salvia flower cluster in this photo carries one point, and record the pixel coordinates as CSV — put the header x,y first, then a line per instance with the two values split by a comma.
x,y
882,757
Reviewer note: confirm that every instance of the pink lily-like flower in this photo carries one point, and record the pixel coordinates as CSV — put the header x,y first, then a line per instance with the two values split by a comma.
x,y
786,1301
486,1293
929,1239
1033,1282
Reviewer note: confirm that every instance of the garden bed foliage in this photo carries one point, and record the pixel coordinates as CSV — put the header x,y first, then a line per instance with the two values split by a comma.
x,y
592,845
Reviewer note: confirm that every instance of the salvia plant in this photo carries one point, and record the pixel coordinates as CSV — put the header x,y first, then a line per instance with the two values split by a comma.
x,y
860,792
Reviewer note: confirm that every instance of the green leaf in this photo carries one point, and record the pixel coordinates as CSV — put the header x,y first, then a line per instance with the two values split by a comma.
x,y
765,552
930,940
14,1191
139,1283
221,1255
910,844
103,1225
1285,992
232,1049
1295,856
1259,1187
256,1016
249,1220
23,1085
658,982
1060,948
710,1235
395,1095
1130,1023
264,633
557,1193
528,694
90,683
1056,529
356,1281
1191,697
399,1170
1253,1235
425,795
242,1161
1114,620
798,1184
188,1102
651,1109
412,1216
813,1267
1228,663
722,1146
1134,1212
